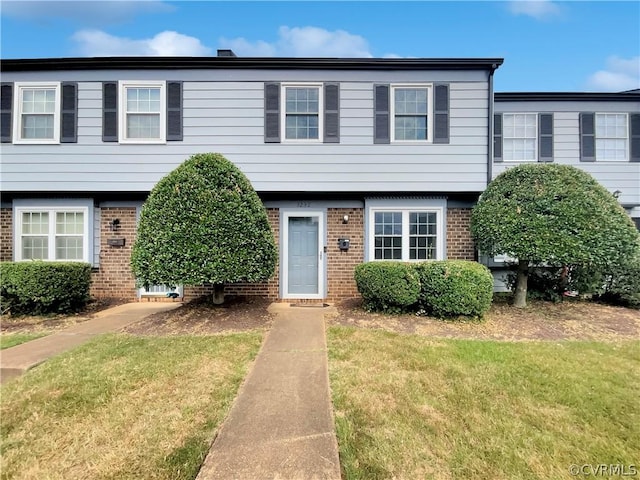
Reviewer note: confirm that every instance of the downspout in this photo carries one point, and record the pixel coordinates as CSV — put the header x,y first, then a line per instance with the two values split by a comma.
x,y
490,139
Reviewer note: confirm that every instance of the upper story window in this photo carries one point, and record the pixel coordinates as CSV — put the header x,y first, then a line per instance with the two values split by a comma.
x,y
52,234
612,133
302,112
142,112
37,107
411,119
520,136
411,113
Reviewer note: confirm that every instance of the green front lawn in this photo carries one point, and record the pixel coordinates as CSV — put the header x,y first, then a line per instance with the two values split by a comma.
x,y
123,407
8,340
415,407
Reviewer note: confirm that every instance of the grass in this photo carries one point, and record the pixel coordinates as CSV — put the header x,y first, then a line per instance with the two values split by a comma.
x,y
413,407
123,407
8,340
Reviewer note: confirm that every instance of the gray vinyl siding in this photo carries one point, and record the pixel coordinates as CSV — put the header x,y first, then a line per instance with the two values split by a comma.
x,y
228,117
623,176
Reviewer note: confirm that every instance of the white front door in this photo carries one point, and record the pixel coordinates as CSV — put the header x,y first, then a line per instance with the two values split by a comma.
x,y
303,254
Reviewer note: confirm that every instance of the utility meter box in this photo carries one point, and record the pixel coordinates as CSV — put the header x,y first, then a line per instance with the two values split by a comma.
x,y
343,244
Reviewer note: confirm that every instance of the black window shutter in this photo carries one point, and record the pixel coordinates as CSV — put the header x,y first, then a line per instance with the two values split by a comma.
x,y
6,104
587,137
69,113
382,122
634,137
497,137
441,113
109,111
545,137
272,113
331,113
174,111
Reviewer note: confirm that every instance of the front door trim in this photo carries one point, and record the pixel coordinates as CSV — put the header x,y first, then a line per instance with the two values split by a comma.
x,y
285,214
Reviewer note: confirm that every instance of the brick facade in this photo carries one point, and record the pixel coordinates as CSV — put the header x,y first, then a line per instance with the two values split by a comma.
x,y
114,277
460,245
6,235
340,264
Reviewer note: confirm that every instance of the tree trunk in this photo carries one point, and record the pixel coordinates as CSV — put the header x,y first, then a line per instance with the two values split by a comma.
x,y
520,298
218,294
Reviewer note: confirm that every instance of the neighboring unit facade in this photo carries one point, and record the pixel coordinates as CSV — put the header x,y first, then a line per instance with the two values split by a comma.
x,y
597,132
354,159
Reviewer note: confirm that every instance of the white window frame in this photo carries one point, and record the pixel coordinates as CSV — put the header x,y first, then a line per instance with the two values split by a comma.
x,y
535,138
20,87
123,85
157,292
52,211
430,115
626,138
405,211
283,112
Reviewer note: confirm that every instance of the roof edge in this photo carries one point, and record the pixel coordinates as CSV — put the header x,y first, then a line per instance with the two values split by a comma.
x,y
176,63
564,96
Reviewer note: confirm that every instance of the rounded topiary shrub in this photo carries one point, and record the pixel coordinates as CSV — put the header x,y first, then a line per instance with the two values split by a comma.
x,y
387,286
452,288
36,288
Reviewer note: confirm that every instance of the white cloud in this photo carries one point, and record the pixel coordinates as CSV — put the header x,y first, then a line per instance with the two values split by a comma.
x,y
302,42
86,12
96,43
538,9
620,74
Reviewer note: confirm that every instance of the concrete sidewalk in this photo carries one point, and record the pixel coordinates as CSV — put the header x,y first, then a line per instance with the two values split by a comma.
x,y
16,360
281,424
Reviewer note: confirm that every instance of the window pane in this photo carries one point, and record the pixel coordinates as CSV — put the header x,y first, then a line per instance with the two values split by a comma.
x,y
422,242
69,223
37,126
69,248
520,135
38,100
388,235
143,100
143,126
302,100
35,248
35,223
301,127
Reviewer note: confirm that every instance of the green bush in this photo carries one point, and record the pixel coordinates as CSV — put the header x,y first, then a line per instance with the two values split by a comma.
x,y
451,288
204,223
36,288
389,287
615,285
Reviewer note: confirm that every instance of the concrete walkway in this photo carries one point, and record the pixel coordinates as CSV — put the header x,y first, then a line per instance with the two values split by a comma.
x,y
16,360
281,424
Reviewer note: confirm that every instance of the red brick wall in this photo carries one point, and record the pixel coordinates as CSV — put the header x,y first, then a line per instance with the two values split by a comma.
x,y
340,264
114,277
459,242
6,235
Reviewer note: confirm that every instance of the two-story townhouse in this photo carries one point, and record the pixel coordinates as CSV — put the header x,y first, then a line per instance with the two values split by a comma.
x,y
597,132
354,159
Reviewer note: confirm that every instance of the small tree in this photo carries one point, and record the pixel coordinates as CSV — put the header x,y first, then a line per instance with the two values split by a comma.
x,y
203,223
552,214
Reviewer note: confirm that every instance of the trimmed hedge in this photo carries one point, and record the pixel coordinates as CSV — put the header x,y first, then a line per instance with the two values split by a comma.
x,y
389,287
451,288
36,288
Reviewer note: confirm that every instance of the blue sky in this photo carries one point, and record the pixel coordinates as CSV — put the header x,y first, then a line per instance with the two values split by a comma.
x,y
547,45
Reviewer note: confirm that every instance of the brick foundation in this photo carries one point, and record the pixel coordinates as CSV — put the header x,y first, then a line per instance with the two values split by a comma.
x,y
460,245
6,235
114,277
